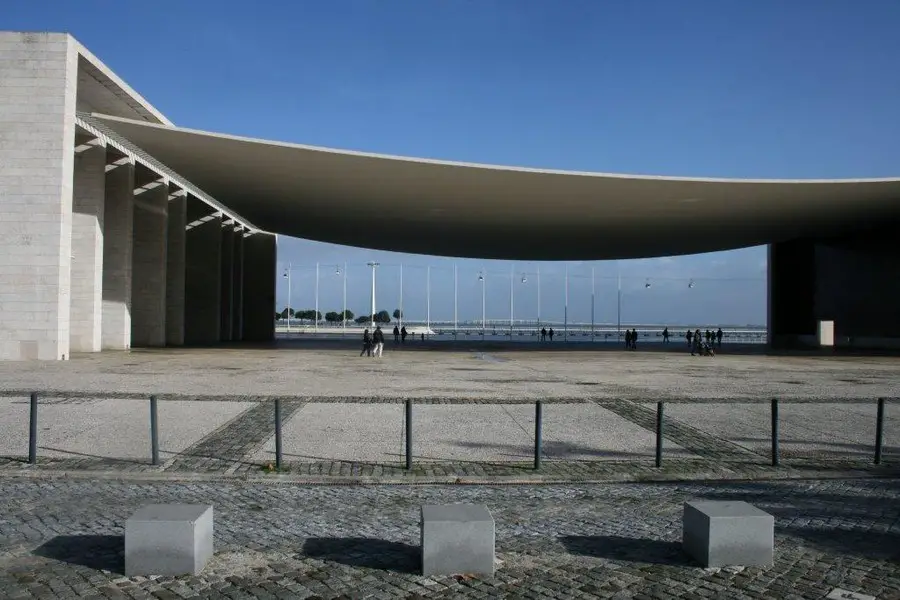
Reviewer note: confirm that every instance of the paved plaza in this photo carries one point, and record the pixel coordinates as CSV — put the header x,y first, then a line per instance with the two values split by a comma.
x,y
63,539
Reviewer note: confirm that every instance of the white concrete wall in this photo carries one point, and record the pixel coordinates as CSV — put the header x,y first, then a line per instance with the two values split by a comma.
x,y
148,286
87,249
118,223
38,81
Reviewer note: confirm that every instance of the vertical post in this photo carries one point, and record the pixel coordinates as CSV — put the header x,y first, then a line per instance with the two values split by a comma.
x,y
455,290
428,301
618,303
659,433
592,303
538,426
512,276
776,458
566,311
372,318
879,431
316,327
344,315
290,287
408,434
154,432
278,433
32,430
539,294
401,295
483,284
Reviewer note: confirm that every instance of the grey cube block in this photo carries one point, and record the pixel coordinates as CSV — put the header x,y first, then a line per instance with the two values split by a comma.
x,y
727,533
169,539
457,538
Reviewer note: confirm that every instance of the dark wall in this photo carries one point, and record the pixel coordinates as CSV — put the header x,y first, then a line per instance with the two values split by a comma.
x,y
852,280
259,287
202,293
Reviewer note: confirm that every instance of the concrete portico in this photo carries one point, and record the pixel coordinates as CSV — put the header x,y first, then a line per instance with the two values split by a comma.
x,y
99,240
118,229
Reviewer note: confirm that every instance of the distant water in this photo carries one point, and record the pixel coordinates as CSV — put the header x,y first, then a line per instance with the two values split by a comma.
x,y
528,333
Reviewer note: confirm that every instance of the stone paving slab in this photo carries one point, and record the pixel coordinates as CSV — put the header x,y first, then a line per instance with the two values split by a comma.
x,y
602,541
109,428
827,429
477,433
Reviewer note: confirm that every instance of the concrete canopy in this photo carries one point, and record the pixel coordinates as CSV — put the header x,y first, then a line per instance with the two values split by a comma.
x,y
485,211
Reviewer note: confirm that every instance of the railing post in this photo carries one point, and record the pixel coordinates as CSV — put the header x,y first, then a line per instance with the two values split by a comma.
x,y
154,432
538,427
879,431
278,433
776,454
659,433
408,423
32,430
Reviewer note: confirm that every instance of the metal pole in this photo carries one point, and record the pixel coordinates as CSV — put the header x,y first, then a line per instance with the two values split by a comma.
x,y
659,433
538,426
483,284
372,317
511,277
289,299
344,319
32,430
428,300
619,303
401,295
408,434
592,303
455,290
539,293
566,310
154,432
879,431
316,327
278,433
776,458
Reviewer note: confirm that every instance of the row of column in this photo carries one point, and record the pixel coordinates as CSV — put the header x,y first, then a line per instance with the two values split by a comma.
x,y
152,265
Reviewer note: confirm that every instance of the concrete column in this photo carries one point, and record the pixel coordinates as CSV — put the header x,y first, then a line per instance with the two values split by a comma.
x,y
227,281
203,272
88,199
260,253
175,268
38,82
237,327
148,290
118,230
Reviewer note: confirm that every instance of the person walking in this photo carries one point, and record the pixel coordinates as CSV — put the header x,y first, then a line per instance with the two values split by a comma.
x,y
396,334
550,333
403,334
719,338
666,335
378,339
543,334
367,343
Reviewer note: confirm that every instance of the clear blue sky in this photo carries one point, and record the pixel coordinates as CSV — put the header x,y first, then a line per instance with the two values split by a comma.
x,y
702,87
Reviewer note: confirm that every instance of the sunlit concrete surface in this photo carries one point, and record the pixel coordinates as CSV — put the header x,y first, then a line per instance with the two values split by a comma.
x,y
830,429
454,432
109,428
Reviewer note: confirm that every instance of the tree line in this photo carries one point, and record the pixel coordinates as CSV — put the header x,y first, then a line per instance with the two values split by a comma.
x,y
336,316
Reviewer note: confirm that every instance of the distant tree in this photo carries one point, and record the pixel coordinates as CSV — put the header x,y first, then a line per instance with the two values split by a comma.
x,y
332,317
278,316
398,314
382,316
348,315
286,312
362,319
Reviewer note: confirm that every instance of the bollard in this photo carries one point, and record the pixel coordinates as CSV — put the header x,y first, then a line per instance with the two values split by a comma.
x,y
408,435
154,432
775,454
32,430
278,433
538,426
659,433
879,431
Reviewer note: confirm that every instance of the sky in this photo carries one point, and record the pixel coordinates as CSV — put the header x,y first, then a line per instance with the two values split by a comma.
x,y
765,89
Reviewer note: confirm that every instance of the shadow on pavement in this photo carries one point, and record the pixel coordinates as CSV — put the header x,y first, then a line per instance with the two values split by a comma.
x,y
92,551
630,549
366,552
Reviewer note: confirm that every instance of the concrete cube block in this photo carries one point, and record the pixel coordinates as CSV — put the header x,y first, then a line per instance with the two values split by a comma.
x,y
727,533
169,539
457,538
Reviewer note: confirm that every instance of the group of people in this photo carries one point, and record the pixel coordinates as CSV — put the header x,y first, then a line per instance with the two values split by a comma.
x,y
545,333
631,339
373,344
699,346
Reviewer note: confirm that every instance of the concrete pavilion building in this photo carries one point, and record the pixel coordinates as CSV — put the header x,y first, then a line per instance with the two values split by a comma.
x,y
119,229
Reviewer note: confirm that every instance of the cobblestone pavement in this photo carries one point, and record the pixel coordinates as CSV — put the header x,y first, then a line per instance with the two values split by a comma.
x,y
225,448
63,539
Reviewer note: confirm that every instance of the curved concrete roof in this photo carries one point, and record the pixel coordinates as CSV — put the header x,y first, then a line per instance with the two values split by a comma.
x,y
485,211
